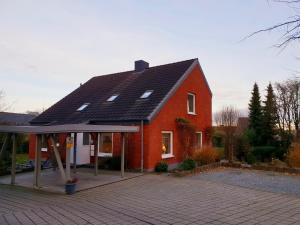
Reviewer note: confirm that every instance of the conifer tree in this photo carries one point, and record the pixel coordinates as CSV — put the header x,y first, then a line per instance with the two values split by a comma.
x,y
255,117
269,117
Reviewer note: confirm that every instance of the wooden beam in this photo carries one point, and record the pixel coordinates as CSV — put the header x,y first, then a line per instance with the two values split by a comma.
x,y
58,159
123,154
68,158
37,161
13,159
96,149
75,153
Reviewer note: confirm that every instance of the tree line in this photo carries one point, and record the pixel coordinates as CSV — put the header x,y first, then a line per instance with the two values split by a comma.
x,y
273,123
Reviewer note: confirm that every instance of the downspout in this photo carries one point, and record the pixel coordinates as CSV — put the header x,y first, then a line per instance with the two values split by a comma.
x,y
142,146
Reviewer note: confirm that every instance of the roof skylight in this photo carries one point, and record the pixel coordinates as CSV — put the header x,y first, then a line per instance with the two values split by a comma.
x,y
83,107
112,98
146,94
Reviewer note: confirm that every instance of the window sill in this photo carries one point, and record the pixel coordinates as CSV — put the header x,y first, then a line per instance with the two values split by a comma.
x,y
167,156
192,113
104,154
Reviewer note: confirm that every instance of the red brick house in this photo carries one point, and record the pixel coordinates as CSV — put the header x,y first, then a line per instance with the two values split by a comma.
x,y
150,97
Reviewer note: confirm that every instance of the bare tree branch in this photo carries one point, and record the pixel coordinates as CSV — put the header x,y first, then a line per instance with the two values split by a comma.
x,y
292,27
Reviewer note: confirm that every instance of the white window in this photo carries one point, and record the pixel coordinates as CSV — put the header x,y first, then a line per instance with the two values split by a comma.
x,y
112,98
106,148
167,144
146,94
83,107
191,103
198,140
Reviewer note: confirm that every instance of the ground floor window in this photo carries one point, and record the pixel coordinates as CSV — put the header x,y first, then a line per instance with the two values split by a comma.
x,y
167,144
198,140
106,148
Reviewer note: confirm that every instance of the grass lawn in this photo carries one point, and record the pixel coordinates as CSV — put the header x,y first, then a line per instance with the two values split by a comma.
x,y
22,158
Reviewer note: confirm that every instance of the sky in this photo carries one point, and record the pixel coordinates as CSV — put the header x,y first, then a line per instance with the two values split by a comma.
x,y
47,48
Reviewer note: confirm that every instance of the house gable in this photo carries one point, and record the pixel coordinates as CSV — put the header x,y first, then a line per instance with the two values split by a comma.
x,y
176,107
177,85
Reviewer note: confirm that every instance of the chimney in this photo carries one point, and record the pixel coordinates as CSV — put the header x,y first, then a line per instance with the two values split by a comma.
x,y
140,65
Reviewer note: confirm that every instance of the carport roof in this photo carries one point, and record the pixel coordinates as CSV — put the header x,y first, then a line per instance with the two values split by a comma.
x,y
67,128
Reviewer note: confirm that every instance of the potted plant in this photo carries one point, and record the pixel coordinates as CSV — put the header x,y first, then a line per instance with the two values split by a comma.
x,y
70,186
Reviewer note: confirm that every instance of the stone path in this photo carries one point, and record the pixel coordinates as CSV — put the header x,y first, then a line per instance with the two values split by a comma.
x,y
150,199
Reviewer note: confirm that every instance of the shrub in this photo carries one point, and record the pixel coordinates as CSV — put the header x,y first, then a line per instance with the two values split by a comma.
x,y
293,157
221,153
161,166
241,146
265,153
205,155
250,158
188,164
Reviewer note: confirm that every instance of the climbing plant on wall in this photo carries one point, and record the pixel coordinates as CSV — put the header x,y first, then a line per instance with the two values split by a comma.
x,y
186,131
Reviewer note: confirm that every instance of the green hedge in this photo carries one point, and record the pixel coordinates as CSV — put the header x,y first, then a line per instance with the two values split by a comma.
x,y
266,153
188,164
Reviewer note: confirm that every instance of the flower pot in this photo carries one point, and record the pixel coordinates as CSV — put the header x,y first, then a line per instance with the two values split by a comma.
x,y
70,188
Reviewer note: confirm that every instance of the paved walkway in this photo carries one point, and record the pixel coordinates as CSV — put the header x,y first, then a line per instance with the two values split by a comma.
x,y
150,199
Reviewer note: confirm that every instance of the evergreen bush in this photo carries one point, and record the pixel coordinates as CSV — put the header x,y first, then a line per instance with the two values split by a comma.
x,y
161,166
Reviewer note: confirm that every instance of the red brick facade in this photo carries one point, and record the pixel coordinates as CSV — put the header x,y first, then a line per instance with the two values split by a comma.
x,y
175,107
165,121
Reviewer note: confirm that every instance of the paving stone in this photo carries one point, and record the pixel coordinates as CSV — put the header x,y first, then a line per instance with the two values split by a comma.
x,y
153,199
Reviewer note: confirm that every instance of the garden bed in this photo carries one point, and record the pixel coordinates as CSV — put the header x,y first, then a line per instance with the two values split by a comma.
x,y
262,167
199,169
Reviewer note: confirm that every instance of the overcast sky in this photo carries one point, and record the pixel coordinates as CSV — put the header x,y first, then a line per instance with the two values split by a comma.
x,y
47,48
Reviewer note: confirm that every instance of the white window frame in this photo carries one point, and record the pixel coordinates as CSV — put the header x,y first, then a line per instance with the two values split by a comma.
x,y
169,155
103,154
194,104
201,142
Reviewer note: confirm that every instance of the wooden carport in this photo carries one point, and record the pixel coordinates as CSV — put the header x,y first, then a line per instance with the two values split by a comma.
x,y
49,132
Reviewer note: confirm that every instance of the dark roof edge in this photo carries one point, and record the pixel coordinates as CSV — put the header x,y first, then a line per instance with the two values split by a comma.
x,y
173,90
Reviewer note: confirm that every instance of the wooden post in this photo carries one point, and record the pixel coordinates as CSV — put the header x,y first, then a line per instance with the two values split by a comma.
x,y
58,159
75,153
122,154
96,149
142,146
37,161
68,158
13,159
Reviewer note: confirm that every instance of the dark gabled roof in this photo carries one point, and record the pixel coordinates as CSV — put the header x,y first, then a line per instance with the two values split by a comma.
x,y
128,106
8,118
